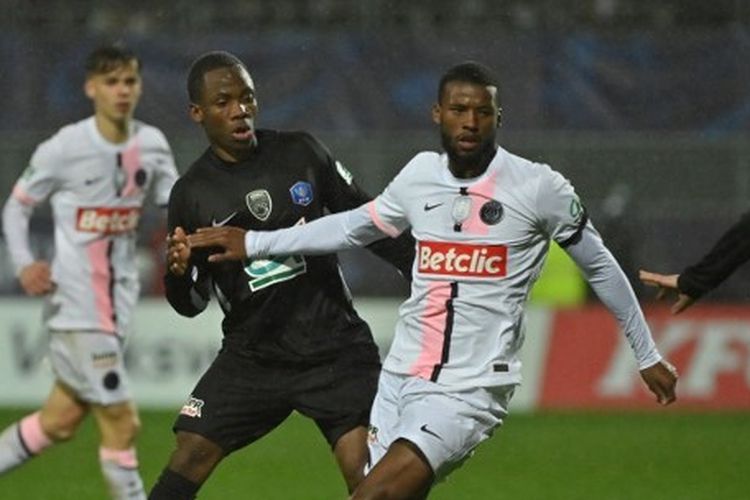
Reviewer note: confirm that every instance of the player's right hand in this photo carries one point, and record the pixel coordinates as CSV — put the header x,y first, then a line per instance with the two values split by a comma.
x,y
36,278
667,284
661,379
178,252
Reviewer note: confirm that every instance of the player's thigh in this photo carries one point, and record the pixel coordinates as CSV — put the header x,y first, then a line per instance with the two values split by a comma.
x,y
447,425
402,473
338,394
91,364
236,402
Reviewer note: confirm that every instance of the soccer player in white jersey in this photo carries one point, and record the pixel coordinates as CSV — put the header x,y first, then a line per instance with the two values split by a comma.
x,y
96,174
483,220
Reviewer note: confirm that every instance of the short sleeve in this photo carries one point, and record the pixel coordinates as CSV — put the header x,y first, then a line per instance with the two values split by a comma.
x,y
40,178
562,214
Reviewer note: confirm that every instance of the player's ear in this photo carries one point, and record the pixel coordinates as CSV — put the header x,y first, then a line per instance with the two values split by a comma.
x,y
196,113
436,113
89,88
499,116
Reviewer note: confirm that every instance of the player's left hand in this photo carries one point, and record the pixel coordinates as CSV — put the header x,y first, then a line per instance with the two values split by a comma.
x,y
231,239
667,284
661,379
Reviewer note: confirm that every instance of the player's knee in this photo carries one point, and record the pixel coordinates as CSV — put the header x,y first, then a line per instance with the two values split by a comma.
x,y
59,429
195,456
60,426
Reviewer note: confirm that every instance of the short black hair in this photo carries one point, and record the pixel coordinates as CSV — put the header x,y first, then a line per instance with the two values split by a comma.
x,y
109,57
471,72
205,63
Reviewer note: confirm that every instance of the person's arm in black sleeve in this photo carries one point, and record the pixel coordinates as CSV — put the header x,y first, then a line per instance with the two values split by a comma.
x,y
730,252
186,282
342,193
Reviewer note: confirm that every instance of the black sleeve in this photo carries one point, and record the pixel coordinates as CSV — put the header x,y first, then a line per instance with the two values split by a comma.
x,y
187,294
342,193
729,252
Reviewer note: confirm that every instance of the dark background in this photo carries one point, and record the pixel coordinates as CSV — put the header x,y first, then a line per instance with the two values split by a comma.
x,y
645,106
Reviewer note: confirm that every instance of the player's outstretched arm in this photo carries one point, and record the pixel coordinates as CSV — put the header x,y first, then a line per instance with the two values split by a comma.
x,y
661,379
328,234
667,285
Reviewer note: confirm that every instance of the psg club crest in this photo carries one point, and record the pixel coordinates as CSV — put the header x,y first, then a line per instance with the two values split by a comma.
x,y
259,203
302,193
491,212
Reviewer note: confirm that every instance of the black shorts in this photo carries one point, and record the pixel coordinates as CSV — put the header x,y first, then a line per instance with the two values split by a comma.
x,y
239,399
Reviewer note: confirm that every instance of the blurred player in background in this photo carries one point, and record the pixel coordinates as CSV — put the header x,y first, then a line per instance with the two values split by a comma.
x,y
96,173
292,339
729,252
483,219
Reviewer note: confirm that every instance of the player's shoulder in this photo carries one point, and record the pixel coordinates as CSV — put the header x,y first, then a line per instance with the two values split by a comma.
x,y
422,162
525,169
66,140
149,135
71,132
285,138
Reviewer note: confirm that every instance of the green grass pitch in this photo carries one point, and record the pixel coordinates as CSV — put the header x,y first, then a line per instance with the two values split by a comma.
x,y
561,456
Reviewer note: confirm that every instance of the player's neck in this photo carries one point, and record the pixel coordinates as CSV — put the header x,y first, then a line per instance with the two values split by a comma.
x,y
464,170
114,131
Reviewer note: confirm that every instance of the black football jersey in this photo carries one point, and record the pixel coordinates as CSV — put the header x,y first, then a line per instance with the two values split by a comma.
x,y
287,308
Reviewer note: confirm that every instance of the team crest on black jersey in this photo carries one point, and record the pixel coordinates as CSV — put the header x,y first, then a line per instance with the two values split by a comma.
x,y
302,193
259,203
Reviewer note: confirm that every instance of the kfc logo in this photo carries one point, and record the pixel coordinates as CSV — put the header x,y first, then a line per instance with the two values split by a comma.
x,y
456,259
107,220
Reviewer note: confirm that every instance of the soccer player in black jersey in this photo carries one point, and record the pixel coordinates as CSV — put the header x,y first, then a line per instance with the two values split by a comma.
x,y
292,340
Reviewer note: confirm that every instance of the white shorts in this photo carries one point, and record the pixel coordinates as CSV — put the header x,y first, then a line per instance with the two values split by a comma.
x,y
445,424
91,364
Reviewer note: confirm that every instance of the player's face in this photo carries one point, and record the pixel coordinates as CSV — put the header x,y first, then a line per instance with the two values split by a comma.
x,y
227,111
467,116
115,94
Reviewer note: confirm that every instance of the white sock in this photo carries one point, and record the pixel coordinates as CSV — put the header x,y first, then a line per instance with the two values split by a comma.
x,y
21,441
120,469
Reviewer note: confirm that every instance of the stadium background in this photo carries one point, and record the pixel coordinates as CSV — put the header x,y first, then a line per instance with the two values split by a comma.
x,y
645,106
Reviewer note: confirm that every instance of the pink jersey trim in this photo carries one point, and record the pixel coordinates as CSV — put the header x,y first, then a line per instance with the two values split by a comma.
x,y
32,433
433,323
382,225
124,458
131,163
101,276
22,196
481,192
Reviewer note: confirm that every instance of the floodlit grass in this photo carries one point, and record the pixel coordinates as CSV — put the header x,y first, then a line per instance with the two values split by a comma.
x,y
545,456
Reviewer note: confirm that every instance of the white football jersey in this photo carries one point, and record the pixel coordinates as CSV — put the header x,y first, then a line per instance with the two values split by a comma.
x,y
481,244
96,190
